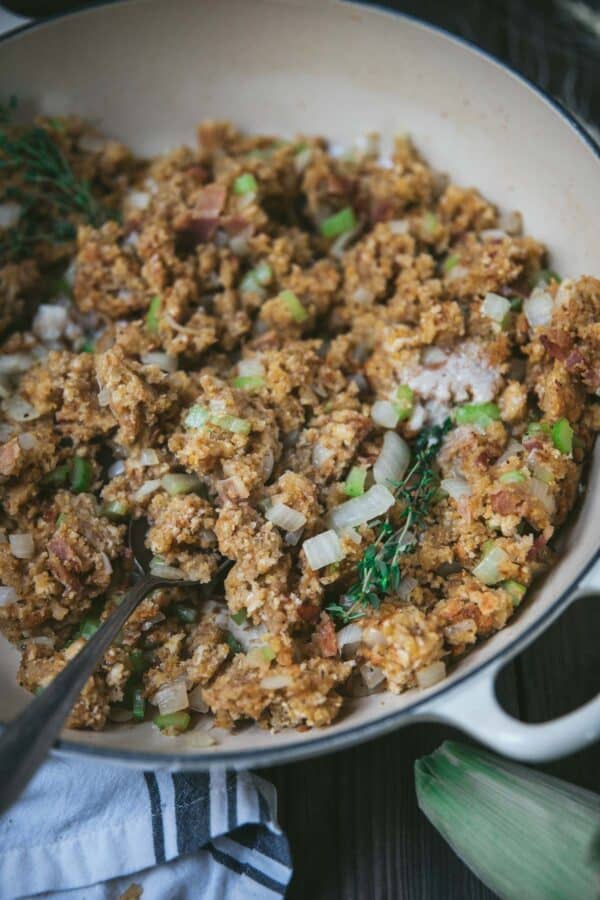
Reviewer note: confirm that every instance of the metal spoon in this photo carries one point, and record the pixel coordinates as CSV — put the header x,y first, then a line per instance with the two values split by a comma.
x,y
26,741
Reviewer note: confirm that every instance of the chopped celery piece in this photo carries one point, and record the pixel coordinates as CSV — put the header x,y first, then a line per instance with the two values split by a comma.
x,y
60,518
240,616
245,184
450,262
481,414
232,423
180,483
562,436
138,704
512,477
81,475
538,428
355,482
57,477
197,417
296,310
404,402
267,652
431,222
234,644
338,223
263,272
248,382
545,276
138,662
516,304
515,589
179,720
186,614
89,627
87,347
116,510
152,316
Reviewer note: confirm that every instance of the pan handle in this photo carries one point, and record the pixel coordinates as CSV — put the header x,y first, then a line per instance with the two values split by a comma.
x,y
474,708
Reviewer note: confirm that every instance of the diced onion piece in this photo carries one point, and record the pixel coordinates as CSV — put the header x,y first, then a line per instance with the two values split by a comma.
x,y
165,361
148,457
392,462
9,214
430,675
19,410
538,308
398,226
302,159
492,234
542,493
21,545
488,569
15,363
232,423
197,417
285,517
495,307
117,468
511,221
456,487
384,414
362,295
147,488
171,697
338,248
374,638
512,449
250,367
175,484
542,472
7,595
349,634
28,441
91,143
372,676
138,199
323,550
406,587
276,682
171,573
320,455
50,322
196,700
433,356
373,503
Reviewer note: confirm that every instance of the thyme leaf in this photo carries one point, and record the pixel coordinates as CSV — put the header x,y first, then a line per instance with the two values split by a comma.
x,y
51,196
380,568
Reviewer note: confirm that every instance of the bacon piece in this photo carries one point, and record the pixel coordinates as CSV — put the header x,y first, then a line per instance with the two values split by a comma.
x,y
325,637
537,547
557,343
308,612
506,503
9,456
210,202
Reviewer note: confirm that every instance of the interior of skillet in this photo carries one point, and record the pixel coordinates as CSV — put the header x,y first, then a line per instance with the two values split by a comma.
x,y
147,73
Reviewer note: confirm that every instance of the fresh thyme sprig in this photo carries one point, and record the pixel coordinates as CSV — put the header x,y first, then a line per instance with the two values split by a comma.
x,y
379,570
51,196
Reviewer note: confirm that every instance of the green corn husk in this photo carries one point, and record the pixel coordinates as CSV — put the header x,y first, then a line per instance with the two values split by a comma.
x,y
526,835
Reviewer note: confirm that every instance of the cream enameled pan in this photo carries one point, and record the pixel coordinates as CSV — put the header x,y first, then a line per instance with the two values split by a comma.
x,y
147,71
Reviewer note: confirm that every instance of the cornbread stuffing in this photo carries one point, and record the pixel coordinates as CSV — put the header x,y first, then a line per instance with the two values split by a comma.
x,y
358,383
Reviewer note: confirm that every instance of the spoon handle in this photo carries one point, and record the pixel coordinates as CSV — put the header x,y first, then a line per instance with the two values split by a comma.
x,y
28,738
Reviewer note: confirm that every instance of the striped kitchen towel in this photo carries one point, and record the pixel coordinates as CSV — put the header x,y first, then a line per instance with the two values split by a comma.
x,y
99,832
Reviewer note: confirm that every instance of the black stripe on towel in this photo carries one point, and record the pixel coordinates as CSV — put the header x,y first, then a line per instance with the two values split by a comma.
x,y
245,869
158,834
275,846
231,780
192,810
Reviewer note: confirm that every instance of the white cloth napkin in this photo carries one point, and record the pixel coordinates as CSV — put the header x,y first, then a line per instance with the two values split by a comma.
x,y
90,831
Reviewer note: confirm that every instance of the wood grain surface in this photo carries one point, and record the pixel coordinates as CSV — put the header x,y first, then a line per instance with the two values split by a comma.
x,y
352,818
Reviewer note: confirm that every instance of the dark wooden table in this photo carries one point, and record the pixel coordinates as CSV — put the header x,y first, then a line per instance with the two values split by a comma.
x,y
354,827
352,819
